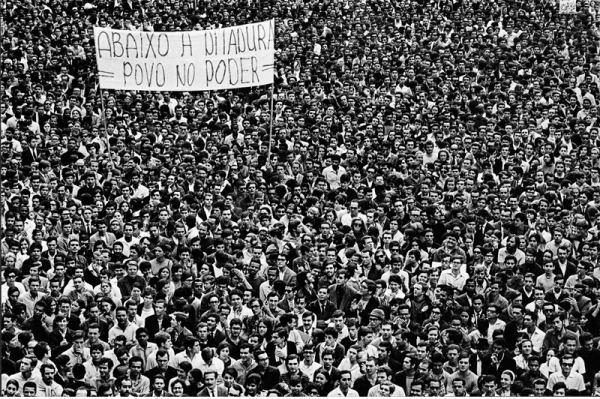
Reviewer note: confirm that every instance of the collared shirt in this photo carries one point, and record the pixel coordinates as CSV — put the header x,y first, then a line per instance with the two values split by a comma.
x,y
216,365
243,370
354,369
333,177
74,359
578,365
572,381
182,357
448,278
310,370
29,301
537,338
338,393
144,353
91,370
498,325
128,332
242,313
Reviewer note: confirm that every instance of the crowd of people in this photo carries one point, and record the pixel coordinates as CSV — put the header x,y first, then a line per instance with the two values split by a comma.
x,y
417,214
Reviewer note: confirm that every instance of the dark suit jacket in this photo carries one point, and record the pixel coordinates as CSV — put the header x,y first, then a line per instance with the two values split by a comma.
x,y
473,364
291,350
214,341
569,271
507,363
347,294
152,325
27,157
511,332
221,391
400,380
322,315
284,305
462,300
270,377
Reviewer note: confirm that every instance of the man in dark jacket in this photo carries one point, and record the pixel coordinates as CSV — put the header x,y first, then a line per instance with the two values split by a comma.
x,y
270,375
499,360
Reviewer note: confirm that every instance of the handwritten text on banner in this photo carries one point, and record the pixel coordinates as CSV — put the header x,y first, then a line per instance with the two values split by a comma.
x,y
240,56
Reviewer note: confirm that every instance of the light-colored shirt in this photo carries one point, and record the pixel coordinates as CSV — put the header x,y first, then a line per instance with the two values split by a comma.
x,y
144,353
537,338
337,393
310,370
128,332
448,278
572,381
498,325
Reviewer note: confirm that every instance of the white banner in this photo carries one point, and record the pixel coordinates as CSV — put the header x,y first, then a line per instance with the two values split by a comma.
x,y
567,6
240,56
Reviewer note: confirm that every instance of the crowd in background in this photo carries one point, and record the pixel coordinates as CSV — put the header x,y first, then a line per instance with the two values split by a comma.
x,y
412,209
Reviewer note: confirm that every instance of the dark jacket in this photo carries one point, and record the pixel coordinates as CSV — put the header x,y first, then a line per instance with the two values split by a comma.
x,y
270,377
507,363
324,314
569,271
341,298
271,348
152,325
400,380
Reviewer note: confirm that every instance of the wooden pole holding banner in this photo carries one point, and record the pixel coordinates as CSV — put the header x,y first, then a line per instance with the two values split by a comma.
x,y
272,120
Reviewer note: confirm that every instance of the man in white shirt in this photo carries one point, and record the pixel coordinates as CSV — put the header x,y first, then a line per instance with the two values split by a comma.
x,y
343,390
453,277
308,366
495,322
572,379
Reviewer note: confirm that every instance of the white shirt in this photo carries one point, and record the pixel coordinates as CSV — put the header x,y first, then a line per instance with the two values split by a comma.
x,y
241,314
5,288
338,393
310,370
216,365
572,381
578,365
537,338
498,325
448,278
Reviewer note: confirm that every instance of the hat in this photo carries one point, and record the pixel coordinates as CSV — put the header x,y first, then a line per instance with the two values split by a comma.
x,y
378,313
80,162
